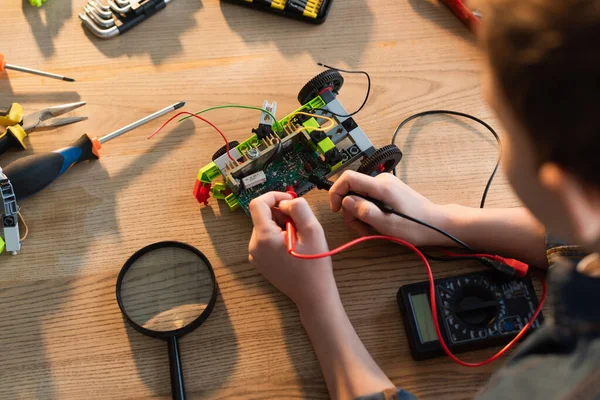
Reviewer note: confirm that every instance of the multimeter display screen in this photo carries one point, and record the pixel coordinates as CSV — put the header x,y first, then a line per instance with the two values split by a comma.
x,y
422,311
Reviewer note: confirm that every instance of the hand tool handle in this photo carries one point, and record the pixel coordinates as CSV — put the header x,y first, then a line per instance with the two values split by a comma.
x,y
462,12
12,137
175,369
31,174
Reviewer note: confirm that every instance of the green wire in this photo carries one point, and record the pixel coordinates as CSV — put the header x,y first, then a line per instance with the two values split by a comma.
x,y
277,126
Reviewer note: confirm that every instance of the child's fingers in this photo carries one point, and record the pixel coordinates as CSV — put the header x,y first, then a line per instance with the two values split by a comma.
x,y
260,209
300,212
351,180
366,212
356,225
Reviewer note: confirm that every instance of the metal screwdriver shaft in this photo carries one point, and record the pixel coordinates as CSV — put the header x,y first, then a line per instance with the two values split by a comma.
x,y
141,122
31,174
36,72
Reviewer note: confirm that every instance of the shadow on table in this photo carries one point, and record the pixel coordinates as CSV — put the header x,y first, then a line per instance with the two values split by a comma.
x,y
443,17
157,36
50,214
7,94
294,38
407,145
208,356
222,229
56,13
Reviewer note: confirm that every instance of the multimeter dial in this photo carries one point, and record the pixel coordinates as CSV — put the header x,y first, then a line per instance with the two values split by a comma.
x,y
474,311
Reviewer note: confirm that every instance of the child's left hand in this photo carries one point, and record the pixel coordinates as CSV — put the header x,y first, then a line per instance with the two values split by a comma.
x,y
308,283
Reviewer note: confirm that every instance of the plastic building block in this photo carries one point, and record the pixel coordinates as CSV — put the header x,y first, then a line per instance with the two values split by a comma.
x,y
37,3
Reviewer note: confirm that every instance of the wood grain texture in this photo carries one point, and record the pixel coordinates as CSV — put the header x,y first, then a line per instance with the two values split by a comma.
x,y
61,332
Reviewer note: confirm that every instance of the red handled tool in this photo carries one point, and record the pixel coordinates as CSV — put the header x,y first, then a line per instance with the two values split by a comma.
x,y
463,13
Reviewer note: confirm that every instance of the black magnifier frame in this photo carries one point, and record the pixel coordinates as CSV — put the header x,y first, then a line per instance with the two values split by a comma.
x,y
172,337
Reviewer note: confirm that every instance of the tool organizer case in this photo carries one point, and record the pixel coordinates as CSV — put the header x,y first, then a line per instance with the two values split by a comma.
x,y
287,8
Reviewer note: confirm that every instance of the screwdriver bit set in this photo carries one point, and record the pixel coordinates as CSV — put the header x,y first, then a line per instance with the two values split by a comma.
x,y
314,11
118,16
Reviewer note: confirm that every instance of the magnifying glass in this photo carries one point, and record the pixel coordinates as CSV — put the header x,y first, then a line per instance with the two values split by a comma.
x,y
165,291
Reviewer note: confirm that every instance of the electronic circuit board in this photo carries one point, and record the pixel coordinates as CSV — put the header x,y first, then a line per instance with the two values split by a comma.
x,y
292,171
319,139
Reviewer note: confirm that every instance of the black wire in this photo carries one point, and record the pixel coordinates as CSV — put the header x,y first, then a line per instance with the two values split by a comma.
x,y
365,73
460,114
435,228
275,154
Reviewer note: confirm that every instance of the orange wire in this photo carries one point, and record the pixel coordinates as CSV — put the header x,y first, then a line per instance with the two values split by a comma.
x,y
201,119
291,243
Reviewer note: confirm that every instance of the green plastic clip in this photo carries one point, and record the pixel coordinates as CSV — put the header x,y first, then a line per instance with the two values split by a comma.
x,y
218,190
1,245
232,202
37,3
208,173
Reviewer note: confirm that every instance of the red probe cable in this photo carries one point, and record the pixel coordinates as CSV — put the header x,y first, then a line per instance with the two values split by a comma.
x,y
201,119
291,244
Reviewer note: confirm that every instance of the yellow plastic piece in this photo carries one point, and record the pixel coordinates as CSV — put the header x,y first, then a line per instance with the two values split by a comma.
x,y
218,190
1,245
336,166
278,4
312,8
14,116
311,123
232,202
325,145
208,173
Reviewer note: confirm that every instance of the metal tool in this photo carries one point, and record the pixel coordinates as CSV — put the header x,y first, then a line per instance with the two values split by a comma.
x,y
33,173
19,125
108,21
4,66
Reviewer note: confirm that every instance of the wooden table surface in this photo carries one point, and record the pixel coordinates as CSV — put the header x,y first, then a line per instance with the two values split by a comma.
x,y
61,332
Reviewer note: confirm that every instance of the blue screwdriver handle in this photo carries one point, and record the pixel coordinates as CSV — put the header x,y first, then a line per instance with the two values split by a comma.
x,y
31,174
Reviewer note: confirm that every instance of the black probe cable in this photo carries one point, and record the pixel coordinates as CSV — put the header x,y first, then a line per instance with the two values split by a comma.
x,y
468,116
325,184
347,71
491,178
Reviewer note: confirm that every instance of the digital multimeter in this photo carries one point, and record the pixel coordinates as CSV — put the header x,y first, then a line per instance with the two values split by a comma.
x,y
475,311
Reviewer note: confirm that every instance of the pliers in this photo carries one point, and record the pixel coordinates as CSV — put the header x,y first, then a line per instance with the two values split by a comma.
x,y
18,125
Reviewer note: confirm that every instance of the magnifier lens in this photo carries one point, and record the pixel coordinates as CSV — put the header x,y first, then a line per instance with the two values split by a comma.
x,y
166,289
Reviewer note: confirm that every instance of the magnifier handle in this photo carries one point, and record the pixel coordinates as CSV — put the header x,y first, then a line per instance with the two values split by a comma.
x,y
177,387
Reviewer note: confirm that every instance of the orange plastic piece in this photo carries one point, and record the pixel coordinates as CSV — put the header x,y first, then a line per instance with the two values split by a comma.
x,y
96,146
2,62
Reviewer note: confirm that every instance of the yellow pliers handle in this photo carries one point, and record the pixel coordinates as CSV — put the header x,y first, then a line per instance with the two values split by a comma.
x,y
14,134
11,116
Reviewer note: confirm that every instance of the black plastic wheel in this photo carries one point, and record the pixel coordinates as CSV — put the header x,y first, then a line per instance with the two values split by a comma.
x,y
223,149
330,78
384,159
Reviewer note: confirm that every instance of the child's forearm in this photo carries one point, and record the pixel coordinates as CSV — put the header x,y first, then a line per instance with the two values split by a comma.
x,y
512,232
347,366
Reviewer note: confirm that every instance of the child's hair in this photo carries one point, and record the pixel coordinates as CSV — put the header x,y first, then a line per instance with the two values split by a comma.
x,y
545,56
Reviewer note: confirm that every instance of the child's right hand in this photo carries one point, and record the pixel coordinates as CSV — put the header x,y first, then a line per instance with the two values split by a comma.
x,y
363,216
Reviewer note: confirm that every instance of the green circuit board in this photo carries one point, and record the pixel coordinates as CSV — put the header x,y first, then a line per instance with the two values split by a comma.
x,y
293,169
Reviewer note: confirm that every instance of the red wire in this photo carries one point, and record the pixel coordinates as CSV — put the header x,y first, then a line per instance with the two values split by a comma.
x,y
292,250
201,119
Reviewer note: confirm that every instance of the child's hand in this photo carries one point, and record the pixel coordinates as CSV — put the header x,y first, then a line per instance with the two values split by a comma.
x,y
306,282
362,215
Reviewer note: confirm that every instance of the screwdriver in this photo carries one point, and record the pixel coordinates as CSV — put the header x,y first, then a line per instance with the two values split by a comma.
x,y
31,174
4,65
